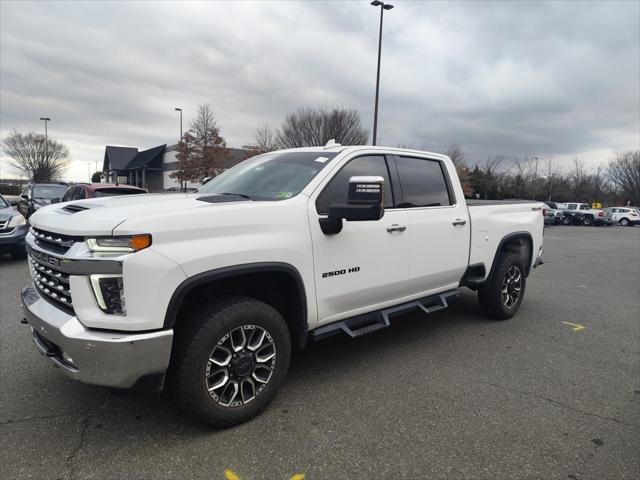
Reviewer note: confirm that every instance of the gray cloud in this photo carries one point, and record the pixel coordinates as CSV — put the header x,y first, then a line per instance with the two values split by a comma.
x,y
556,78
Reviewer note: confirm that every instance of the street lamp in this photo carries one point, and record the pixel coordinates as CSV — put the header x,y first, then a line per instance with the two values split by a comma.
x,y
180,110
383,6
46,141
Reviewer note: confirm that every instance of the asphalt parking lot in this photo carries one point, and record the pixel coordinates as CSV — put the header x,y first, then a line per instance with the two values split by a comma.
x,y
450,396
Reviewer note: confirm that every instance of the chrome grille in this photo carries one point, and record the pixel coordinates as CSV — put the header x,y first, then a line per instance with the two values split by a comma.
x,y
54,242
51,282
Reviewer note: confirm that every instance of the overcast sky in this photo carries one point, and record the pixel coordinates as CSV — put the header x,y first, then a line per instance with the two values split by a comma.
x,y
515,78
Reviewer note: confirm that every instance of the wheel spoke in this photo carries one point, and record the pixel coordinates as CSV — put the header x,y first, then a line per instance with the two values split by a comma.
x,y
257,337
230,395
247,390
262,374
265,353
219,378
220,356
238,339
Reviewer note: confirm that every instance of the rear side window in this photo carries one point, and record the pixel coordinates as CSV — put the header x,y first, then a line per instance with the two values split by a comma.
x,y
337,189
423,183
111,192
571,206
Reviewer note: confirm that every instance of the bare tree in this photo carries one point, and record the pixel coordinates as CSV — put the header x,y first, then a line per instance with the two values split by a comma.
x,y
203,151
309,127
490,172
32,159
551,173
580,180
264,139
624,173
457,156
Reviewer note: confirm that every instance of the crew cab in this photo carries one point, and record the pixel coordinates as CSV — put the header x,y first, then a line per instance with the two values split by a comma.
x,y
583,214
212,290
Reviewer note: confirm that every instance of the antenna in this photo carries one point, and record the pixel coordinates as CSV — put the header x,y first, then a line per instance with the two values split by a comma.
x,y
332,143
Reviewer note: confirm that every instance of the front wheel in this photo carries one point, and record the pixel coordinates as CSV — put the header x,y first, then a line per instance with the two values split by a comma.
x,y
624,222
587,221
501,298
229,360
565,220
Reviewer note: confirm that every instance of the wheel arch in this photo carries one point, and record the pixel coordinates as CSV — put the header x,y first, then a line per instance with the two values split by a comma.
x,y
518,242
277,284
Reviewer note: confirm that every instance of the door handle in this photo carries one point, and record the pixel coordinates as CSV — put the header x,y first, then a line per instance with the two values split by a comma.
x,y
396,228
459,221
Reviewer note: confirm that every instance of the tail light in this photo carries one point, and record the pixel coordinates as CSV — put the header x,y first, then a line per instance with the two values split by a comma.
x,y
601,214
544,212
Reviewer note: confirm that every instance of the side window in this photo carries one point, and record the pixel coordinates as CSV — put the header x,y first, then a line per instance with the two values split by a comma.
x,y
69,195
585,206
423,183
571,206
80,194
337,189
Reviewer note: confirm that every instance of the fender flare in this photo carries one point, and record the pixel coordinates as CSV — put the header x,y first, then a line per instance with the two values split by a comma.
x,y
301,321
506,239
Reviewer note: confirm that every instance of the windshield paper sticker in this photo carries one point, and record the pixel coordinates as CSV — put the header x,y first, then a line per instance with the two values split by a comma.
x,y
322,159
284,194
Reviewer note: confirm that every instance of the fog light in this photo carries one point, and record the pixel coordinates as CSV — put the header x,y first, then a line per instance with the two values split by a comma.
x,y
109,292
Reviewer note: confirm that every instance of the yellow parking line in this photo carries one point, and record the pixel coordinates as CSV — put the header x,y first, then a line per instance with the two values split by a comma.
x,y
576,327
229,475
298,476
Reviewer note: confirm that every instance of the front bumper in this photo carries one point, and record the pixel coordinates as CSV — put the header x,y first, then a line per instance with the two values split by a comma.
x,y
111,359
14,239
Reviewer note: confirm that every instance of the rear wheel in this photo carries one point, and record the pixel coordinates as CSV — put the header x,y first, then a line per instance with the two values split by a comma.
x,y
230,360
624,222
501,298
587,221
565,220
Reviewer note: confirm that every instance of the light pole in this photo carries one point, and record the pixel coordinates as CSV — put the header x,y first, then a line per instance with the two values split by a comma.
x,y
383,6
180,110
46,138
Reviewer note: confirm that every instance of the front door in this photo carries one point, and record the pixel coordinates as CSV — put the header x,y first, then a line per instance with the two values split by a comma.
x,y
365,264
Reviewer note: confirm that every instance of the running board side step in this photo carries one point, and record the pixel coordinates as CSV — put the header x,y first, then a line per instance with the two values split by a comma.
x,y
371,322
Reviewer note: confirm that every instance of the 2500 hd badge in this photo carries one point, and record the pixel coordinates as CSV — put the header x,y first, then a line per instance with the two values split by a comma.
x,y
340,272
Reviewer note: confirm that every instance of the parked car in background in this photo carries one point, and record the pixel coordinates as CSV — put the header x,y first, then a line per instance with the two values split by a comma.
x,y
625,216
583,214
13,229
37,195
178,190
553,215
10,193
83,191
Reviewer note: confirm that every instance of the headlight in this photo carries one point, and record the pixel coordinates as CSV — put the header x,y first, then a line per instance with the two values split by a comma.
x,y
16,221
109,292
121,244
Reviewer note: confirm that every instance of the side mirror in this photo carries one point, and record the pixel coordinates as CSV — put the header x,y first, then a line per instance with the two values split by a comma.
x,y
365,202
24,196
206,179
55,200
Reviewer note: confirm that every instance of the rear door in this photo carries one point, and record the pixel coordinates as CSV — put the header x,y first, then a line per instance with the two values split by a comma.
x,y
366,263
439,228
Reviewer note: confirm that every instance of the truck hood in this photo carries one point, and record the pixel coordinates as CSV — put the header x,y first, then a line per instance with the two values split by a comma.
x,y
100,216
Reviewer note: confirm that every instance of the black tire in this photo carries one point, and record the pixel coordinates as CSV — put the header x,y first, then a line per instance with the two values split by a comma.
x,y
203,330
587,221
624,222
18,253
566,221
491,296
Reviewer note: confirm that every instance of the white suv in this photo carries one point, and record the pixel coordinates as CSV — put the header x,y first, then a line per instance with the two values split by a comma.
x,y
625,216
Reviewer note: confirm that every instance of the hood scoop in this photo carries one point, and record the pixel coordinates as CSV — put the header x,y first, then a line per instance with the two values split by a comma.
x,y
74,208
222,198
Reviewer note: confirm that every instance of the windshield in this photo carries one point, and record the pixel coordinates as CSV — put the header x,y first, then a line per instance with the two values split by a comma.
x,y
49,191
271,176
111,192
3,203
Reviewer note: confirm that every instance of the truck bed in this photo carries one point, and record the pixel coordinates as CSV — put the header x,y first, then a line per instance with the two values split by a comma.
x,y
479,203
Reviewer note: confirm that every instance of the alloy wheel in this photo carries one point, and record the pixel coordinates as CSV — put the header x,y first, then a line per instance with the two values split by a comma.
x,y
240,366
511,286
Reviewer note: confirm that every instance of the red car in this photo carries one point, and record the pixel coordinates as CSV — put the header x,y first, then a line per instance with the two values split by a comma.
x,y
81,191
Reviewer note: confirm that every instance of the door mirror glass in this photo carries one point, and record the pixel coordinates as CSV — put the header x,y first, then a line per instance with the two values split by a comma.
x,y
365,202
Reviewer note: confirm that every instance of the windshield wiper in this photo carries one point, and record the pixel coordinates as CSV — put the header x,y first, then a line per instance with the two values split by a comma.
x,y
235,195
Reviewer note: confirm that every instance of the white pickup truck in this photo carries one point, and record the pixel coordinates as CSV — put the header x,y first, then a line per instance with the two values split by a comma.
x,y
211,290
